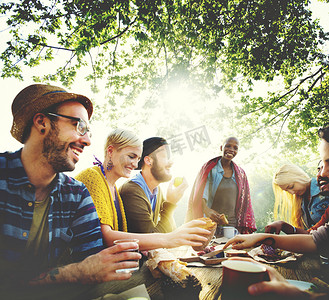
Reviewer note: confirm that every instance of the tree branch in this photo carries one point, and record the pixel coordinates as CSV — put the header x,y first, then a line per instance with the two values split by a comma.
x,y
93,67
48,46
119,34
277,139
73,50
69,61
116,46
315,81
166,59
289,92
276,116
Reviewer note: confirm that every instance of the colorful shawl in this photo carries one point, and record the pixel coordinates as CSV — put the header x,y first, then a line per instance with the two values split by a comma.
x,y
244,212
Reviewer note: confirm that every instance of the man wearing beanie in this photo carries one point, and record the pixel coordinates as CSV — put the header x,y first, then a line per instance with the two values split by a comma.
x,y
49,229
147,210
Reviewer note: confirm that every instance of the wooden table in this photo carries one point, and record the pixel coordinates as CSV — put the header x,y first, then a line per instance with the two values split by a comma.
x,y
304,269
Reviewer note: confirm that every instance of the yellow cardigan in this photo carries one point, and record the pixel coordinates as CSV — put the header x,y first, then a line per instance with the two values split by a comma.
x,y
99,190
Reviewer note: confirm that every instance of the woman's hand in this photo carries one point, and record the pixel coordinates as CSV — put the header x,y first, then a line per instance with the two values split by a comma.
x,y
243,241
276,227
210,213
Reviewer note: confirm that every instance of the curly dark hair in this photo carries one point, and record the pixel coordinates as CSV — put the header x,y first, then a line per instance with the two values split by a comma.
x,y
323,133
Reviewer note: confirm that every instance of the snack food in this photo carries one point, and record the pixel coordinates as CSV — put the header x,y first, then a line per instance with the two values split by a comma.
x,y
178,181
165,261
206,250
234,252
270,255
211,226
273,255
178,282
222,220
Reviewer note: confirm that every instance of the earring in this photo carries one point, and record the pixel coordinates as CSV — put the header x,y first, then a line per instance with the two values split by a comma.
x,y
109,165
43,130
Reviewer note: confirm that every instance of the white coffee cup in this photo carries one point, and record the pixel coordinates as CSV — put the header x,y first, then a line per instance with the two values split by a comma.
x,y
229,231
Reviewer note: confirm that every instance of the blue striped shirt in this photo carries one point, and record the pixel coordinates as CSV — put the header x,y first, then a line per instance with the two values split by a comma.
x,y
73,221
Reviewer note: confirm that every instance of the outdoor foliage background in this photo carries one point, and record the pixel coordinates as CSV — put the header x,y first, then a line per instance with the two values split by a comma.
x,y
257,69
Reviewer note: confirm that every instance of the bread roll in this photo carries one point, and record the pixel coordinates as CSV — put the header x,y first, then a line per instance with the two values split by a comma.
x,y
164,261
174,269
223,220
234,252
178,282
211,226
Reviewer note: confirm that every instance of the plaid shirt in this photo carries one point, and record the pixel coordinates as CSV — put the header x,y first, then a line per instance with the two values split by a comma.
x,y
73,221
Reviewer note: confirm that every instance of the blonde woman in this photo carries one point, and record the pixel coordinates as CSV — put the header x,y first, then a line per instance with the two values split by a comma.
x,y
122,152
298,200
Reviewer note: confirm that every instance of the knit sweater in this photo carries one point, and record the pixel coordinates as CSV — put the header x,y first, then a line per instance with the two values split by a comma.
x,y
99,190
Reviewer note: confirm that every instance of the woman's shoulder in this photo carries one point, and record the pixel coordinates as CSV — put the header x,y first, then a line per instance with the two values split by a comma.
x,y
210,164
89,175
315,189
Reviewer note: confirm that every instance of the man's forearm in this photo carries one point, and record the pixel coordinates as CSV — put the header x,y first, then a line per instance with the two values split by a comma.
x,y
68,273
300,243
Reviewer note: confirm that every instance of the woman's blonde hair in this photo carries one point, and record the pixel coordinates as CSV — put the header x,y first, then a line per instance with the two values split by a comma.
x,y
287,206
121,138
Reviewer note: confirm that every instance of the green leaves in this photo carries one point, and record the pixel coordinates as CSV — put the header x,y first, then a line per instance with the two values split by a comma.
x,y
211,45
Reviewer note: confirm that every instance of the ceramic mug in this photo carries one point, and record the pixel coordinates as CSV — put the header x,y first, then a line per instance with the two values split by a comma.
x,y
229,231
238,275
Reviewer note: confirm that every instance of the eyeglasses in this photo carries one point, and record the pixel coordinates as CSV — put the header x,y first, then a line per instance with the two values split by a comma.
x,y
82,127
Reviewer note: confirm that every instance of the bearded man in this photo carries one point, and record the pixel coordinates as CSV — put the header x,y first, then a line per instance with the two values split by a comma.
x,y
147,210
51,244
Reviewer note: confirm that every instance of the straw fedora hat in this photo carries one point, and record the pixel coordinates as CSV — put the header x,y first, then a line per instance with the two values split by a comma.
x,y
36,98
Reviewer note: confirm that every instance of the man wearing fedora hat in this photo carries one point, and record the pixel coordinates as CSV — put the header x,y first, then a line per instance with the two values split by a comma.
x,y
147,210
49,229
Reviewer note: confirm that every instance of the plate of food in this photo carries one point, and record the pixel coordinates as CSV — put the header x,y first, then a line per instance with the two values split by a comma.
x,y
303,285
316,285
270,255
